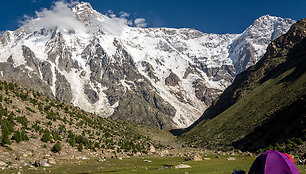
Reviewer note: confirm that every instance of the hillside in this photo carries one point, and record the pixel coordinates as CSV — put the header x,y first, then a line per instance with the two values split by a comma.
x,y
161,77
35,128
265,106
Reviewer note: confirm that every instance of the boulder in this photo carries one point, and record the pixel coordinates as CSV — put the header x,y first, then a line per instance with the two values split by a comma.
x,y
194,157
152,149
45,164
164,152
52,161
182,166
231,158
2,164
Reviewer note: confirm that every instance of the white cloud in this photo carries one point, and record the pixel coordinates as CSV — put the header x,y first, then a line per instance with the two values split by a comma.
x,y
60,16
140,22
111,23
124,14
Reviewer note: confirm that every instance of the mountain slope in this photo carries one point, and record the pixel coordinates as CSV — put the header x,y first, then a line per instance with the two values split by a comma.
x,y
160,77
31,125
265,104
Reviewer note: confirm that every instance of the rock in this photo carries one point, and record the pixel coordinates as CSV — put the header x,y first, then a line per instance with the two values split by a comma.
x,y
119,158
84,158
194,157
63,88
2,164
47,156
13,166
182,166
148,161
37,163
164,167
18,158
248,154
206,159
231,158
164,152
152,149
52,161
172,79
45,164
91,94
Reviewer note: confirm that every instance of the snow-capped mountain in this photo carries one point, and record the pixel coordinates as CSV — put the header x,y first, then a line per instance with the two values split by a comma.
x,y
162,77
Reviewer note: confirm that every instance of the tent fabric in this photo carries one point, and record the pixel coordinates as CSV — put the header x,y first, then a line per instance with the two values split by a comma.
x,y
289,157
273,162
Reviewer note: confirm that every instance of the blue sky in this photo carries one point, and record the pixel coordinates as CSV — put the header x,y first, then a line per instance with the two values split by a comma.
x,y
213,16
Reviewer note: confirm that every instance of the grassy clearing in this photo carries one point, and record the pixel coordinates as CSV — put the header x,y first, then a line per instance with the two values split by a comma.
x,y
159,165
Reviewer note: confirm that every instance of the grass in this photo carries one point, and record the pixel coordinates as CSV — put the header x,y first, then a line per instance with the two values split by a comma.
x,y
137,165
249,112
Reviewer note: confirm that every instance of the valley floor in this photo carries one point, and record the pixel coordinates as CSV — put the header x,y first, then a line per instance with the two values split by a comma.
x,y
149,164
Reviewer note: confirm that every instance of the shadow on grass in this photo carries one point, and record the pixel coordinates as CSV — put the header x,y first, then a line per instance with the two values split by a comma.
x,y
282,125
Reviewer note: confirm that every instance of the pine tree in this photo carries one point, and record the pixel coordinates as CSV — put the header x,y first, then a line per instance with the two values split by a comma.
x,y
80,147
17,137
57,147
24,136
5,137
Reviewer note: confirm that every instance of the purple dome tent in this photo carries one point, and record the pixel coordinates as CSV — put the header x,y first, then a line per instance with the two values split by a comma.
x,y
273,162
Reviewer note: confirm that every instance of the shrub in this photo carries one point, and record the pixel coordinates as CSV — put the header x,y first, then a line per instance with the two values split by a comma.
x,y
299,141
5,137
79,139
24,136
56,136
57,147
72,142
29,109
22,120
80,147
46,137
17,137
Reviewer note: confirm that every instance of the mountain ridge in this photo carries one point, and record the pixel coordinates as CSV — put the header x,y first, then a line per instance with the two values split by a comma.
x,y
265,105
104,65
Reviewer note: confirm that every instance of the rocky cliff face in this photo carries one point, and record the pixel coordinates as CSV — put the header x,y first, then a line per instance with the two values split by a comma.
x,y
161,77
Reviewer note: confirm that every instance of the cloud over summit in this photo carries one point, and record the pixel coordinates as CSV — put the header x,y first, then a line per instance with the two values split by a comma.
x,y
61,16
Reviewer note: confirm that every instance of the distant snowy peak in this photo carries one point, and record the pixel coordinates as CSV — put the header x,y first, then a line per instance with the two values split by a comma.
x,y
268,25
162,77
84,11
250,46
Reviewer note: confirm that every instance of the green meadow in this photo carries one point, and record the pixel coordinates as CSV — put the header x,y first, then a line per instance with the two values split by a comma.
x,y
159,165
